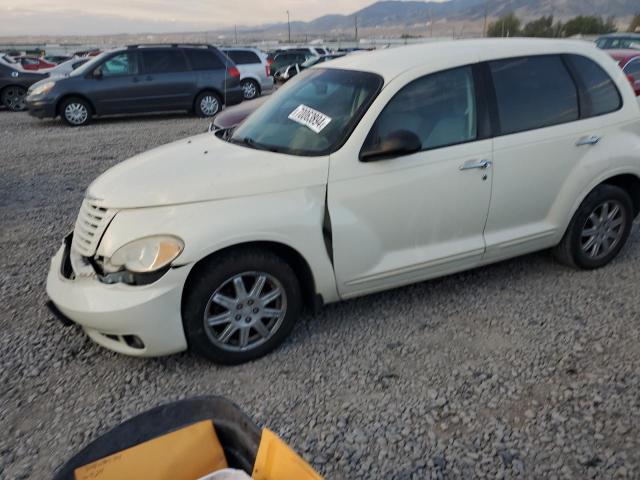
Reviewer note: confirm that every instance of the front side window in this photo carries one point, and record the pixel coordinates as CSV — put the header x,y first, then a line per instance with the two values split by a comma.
x,y
600,93
440,109
312,116
533,92
163,61
120,64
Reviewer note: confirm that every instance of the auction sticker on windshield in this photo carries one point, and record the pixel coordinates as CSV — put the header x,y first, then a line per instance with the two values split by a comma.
x,y
309,117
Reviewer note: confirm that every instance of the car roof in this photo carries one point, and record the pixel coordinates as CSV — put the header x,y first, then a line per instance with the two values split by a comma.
x,y
391,62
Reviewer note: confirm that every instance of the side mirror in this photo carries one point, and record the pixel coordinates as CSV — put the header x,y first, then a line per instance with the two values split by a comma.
x,y
97,73
397,143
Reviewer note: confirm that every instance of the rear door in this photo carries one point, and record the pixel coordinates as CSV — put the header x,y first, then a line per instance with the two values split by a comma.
x,y
169,82
550,142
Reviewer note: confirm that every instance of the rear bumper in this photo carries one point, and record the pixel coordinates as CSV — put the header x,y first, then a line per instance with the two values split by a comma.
x,y
233,96
41,108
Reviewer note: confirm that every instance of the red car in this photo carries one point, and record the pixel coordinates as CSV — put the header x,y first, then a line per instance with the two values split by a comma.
x,y
34,63
629,61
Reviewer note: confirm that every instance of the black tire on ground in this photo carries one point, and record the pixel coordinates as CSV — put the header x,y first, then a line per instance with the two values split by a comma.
x,y
13,97
571,250
198,305
207,104
75,111
250,89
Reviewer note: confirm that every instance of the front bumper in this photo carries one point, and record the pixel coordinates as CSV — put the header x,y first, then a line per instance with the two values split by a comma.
x,y
41,107
112,315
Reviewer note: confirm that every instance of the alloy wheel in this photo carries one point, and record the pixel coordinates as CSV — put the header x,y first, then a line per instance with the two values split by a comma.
x,y
249,90
76,113
209,105
245,311
14,98
603,229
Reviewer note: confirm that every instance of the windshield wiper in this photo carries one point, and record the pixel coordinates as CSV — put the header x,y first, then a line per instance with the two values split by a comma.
x,y
251,143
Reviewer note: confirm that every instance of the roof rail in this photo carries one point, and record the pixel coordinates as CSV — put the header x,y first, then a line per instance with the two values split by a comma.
x,y
207,45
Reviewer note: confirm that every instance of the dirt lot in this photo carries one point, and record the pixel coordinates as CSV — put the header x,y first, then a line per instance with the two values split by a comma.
x,y
525,368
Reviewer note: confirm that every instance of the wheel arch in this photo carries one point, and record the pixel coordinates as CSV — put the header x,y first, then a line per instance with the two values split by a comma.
x,y
287,253
630,183
254,79
74,95
208,89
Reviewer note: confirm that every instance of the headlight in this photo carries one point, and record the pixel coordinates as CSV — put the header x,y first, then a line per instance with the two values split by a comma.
x,y
42,89
145,255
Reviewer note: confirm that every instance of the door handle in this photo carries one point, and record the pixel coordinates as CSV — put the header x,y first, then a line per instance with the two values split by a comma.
x,y
471,164
588,140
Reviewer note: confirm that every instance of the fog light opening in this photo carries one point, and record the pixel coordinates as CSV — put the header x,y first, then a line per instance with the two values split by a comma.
x,y
133,341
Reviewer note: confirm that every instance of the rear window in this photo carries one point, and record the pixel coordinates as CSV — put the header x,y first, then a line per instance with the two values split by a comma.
x,y
203,59
600,93
243,57
163,61
533,92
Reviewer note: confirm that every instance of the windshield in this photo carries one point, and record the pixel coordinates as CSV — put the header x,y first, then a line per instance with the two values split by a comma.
x,y
613,43
312,115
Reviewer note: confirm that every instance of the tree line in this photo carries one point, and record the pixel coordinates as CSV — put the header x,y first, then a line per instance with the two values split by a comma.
x,y
510,25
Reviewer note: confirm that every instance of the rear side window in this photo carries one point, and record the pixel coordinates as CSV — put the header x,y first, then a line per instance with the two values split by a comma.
x,y
439,108
163,61
533,92
201,59
243,57
600,93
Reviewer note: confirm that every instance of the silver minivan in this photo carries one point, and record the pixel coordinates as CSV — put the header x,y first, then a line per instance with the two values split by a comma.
x,y
255,77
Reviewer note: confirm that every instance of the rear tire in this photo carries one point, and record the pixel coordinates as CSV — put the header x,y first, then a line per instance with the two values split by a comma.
x,y
13,97
598,230
75,111
231,321
250,89
207,104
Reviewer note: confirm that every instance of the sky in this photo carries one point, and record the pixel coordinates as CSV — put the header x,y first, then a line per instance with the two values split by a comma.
x,y
95,17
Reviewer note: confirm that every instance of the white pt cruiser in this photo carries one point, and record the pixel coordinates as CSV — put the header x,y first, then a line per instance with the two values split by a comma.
x,y
368,173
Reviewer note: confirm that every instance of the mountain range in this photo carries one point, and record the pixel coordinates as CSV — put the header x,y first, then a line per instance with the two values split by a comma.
x,y
400,13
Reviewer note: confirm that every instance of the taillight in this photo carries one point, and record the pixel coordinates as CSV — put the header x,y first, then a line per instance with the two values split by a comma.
x,y
234,72
267,69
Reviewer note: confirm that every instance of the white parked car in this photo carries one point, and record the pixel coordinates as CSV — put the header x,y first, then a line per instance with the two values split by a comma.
x,y
360,175
65,68
255,74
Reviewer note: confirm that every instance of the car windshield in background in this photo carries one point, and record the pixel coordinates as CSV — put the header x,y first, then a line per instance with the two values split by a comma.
x,y
313,115
618,43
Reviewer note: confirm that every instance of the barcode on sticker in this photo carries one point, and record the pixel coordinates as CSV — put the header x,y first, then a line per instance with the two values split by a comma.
x,y
309,117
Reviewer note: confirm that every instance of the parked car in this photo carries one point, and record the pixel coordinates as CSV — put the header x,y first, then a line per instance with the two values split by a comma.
x,y
629,61
289,57
14,82
286,73
255,73
34,63
372,172
65,68
57,59
614,41
140,78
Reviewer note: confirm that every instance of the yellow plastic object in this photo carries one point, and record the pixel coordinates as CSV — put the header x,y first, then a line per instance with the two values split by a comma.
x,y
276,461
189,453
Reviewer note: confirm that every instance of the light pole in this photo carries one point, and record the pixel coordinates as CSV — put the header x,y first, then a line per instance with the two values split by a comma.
x,y
289,25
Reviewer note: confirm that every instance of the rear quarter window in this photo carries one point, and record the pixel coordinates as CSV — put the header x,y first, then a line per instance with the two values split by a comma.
x,y
243,57
201,59
533,92
599,92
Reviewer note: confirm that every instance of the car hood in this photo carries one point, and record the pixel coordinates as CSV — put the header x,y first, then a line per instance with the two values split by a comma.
x,y
203,168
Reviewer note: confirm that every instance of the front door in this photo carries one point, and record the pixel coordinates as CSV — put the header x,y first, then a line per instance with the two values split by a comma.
x,y
400,220
115,86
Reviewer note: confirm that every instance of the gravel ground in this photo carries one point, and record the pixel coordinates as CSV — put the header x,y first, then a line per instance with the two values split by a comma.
x,y
521,369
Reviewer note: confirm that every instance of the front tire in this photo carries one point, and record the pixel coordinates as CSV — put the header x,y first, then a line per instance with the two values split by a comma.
x,y
207,104
598,230
13,97
241,306
76,112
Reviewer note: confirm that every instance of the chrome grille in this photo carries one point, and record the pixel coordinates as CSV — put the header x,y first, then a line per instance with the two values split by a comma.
x,y
90,225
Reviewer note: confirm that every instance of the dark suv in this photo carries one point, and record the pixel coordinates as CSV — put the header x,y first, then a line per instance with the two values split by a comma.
x,y
14,82
141,78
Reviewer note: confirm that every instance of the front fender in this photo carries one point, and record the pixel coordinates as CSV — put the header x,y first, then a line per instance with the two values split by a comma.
x,y
292,218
